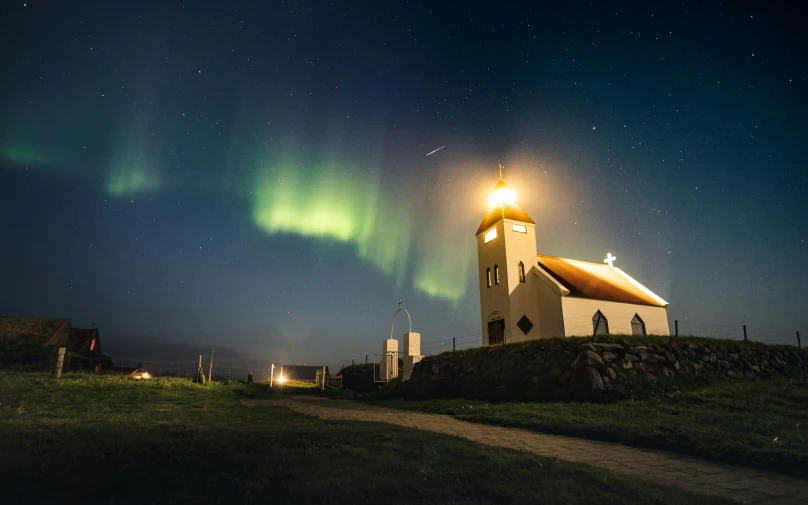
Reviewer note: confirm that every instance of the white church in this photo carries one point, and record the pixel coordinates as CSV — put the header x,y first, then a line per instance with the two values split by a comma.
x,y
525,295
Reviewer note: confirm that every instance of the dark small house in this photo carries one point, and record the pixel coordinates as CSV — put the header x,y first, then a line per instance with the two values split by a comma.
x,y
87,341
87,352
299,372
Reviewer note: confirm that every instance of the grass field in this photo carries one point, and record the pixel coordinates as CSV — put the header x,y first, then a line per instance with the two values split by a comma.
x,y
760,424
90,439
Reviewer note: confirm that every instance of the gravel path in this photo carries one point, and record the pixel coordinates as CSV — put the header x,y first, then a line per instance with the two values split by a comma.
x,y
689,474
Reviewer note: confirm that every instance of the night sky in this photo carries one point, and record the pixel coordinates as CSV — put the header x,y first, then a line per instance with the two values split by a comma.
x,y
254,175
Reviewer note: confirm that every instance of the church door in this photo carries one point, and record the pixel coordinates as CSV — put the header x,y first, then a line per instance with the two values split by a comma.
x,y
496,332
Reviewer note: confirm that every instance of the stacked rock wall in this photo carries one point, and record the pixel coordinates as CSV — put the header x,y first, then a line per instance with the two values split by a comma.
x,y
559,369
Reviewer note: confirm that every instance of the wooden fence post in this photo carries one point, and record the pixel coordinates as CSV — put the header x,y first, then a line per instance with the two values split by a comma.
x,y
676,325
60,361
799,344
744,333
454,343
210,369
200,374
271,371
323,388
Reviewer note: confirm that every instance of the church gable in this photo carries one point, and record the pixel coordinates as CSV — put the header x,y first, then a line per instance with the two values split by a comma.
x,y
597,282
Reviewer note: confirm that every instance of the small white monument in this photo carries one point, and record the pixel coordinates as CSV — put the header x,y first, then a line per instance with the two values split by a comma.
x,y
410,354
388,363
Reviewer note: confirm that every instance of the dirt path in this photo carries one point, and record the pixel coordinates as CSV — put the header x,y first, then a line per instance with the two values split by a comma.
x,y
690,474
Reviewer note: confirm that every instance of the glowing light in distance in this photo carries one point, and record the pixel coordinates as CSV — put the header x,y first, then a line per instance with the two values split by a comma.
x,y
281,379
490,235
520,228
500,196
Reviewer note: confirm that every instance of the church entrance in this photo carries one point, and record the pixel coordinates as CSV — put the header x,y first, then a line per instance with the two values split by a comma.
x,y
496,332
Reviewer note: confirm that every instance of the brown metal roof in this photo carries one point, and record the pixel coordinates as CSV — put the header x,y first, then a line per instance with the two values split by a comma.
x,y
506,211
593,280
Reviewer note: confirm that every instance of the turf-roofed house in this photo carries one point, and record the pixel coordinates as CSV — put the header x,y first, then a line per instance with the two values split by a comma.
x,y
32,341
525,295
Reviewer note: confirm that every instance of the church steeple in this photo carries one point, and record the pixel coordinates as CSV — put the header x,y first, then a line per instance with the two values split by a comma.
x,y
502,205
506,259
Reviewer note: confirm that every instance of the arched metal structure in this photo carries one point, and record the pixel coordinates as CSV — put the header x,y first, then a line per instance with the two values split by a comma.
x,y
390,358
400,308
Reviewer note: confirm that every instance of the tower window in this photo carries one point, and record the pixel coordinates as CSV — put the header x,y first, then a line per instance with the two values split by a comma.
x,y
490,235
521,272
637,325
92,344
520,228
488,276
600,325
496,274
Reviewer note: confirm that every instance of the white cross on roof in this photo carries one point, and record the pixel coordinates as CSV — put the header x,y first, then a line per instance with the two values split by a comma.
x,y
610,259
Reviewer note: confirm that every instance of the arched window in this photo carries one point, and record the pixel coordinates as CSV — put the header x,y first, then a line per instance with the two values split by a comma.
x,y
521,272
600,326
488,276
496,274
637,325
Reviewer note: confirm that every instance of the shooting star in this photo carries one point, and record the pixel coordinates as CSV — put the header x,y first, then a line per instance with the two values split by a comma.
x,y
436,150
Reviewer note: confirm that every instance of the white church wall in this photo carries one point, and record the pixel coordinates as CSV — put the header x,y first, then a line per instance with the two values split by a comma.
x,y
494,300
578,314
551,312
523,296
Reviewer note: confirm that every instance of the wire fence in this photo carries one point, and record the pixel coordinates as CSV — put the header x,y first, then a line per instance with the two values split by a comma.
x,y
684,328
261,370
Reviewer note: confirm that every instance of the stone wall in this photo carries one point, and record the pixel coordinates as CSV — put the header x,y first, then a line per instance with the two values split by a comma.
x,y
577,368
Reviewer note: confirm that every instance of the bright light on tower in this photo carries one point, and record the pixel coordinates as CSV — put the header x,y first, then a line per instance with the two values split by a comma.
x,y
500,196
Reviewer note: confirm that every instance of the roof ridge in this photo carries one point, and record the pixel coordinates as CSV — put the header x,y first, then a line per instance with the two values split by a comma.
x,y
570,259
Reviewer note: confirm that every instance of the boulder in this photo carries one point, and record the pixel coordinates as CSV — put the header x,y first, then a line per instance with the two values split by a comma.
x,y
631,357
622,363
565,377
665,372
585,383
605,346
611,374
608,356
588,359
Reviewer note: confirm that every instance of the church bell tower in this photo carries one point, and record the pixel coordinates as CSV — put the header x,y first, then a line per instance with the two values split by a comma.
x,y
506,254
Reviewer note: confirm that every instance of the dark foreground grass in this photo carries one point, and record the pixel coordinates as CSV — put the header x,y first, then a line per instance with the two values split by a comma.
x,y
760,424
87,439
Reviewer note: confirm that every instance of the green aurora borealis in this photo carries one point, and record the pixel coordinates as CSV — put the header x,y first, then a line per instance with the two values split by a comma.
x,y
348,207
414,246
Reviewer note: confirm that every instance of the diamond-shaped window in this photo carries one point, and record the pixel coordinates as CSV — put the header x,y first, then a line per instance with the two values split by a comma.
x,y
525,325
